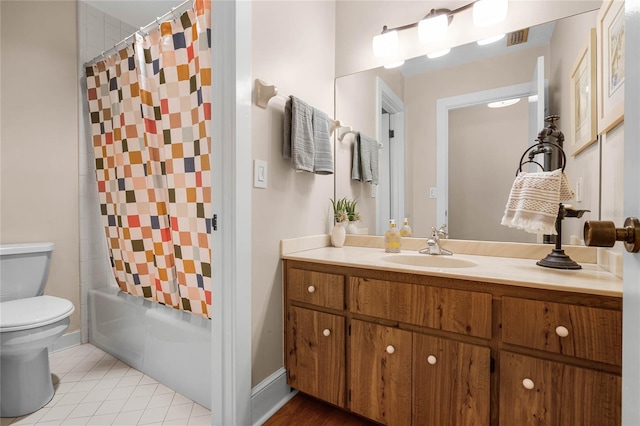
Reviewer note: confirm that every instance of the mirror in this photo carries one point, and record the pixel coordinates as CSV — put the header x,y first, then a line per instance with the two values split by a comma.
x,y
473,166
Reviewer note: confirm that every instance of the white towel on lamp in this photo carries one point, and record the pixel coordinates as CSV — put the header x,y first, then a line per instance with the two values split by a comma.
x,y
534,200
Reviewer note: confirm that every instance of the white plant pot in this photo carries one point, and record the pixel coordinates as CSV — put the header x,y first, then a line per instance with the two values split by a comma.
x,y
352,228
338,235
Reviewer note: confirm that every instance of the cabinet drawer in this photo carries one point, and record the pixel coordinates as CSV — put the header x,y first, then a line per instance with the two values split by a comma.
x,y
583,332
316,288
464,312
536,392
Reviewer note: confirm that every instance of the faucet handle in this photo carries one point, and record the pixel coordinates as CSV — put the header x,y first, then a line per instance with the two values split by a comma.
x,y
442,231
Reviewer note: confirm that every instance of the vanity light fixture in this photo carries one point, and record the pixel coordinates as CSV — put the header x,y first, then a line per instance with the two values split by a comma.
x,y
433,26
502,104
394,65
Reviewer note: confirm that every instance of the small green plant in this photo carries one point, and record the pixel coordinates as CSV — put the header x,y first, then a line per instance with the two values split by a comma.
x,y
345,210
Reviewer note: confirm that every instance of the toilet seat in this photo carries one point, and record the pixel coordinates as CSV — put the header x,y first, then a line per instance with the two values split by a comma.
x,y
33,312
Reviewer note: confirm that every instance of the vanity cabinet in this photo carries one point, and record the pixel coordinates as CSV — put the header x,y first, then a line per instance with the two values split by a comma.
x,y
536,391
411,349
380,373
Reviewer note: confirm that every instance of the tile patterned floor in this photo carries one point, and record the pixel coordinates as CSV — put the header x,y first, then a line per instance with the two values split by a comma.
x,y
94,388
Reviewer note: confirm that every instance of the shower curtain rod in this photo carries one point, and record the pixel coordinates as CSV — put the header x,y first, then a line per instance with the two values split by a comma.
x,y
181,8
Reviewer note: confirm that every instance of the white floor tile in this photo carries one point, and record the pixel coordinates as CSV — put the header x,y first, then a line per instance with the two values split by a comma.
x,y
163,400
84,410
144,390
57,413
134,404
176,412
71,398
94,388
128,418
103,420
153,415
110,407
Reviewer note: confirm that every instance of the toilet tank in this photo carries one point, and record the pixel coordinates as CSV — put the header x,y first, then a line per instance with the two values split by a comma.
x,y
24,269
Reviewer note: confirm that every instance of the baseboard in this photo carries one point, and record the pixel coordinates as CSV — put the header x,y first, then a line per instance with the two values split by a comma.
x,y
66,341
269,396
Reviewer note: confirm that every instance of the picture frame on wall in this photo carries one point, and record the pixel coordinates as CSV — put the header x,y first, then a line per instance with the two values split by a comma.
x,y
582,84
610,68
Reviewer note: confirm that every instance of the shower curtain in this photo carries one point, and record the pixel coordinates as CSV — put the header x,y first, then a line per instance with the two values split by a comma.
x,y
150,113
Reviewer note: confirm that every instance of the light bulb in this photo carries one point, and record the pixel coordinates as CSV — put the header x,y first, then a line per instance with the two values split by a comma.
x,y
385,44
438,54
433,28
489,12
490,40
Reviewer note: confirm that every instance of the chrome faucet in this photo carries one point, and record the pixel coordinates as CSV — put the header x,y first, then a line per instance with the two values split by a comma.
x,y
433,243
442,231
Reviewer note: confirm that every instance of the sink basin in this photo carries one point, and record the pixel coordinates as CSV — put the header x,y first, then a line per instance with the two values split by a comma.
x,y
429,261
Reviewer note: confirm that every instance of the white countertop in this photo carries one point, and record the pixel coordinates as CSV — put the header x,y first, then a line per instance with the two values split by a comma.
x,y
591,279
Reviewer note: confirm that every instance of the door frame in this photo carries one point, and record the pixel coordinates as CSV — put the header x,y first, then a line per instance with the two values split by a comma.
x,y
386,99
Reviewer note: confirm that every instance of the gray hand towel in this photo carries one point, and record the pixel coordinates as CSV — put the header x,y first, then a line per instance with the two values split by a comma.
x,y
356,165
323,157
302,146
365,159
286,145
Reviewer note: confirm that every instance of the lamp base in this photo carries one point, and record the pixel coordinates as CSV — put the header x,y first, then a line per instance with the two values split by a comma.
x,y
559,260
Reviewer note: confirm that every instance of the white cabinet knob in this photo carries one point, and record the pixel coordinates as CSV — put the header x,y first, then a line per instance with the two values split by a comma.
x,y
528,384
390,349
432,359
562,331
326,332
311,289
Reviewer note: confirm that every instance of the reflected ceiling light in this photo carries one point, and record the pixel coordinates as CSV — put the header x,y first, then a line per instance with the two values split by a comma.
x,y
394,64
489,12
502,104
434,25
533,98
386,43
438,54
490,40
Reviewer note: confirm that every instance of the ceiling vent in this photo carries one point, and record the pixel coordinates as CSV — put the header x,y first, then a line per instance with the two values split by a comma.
x,y
517,37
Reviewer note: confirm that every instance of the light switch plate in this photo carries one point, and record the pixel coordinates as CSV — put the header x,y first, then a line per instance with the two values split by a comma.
x,y
259,173
433,192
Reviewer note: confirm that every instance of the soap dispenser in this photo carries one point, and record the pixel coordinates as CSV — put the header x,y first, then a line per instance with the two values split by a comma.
x,y
405,230
392,238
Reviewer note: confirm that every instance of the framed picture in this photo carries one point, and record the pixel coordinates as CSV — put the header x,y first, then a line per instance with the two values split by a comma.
x,y
582,82
610,69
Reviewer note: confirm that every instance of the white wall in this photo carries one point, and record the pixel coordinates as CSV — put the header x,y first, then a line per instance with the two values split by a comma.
x,y
293,48
39,145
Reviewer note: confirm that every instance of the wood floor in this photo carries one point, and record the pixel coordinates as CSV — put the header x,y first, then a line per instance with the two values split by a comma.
x,y
304,410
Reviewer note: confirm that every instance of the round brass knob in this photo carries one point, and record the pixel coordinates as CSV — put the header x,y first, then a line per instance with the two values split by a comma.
x,y
605,234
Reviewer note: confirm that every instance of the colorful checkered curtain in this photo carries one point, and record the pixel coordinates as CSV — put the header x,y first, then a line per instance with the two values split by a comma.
x,y
150,111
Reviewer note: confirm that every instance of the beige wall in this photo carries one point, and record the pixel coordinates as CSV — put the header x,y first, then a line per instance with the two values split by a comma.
x,y
568,38
356,107
293,48
422,92
39,136
481,139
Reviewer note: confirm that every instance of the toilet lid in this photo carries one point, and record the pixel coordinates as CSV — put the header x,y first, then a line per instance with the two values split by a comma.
x,y
32,312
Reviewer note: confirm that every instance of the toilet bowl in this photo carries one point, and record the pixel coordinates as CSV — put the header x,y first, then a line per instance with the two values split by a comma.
x,y
28,327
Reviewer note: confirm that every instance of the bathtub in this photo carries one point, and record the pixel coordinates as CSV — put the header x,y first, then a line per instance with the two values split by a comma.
x,y
172,346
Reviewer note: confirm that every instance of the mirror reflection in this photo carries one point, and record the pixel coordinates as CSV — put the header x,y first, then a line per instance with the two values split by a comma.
x,y
466,183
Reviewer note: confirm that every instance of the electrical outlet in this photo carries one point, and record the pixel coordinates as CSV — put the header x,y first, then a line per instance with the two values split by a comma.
x,y
433,192
579,190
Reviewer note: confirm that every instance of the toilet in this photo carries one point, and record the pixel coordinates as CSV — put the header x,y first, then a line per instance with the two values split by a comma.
x,y
29,324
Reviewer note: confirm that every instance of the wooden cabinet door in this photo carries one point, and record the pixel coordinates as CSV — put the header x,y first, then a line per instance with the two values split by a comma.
x,y
316,354
380,366
540,392
451,382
